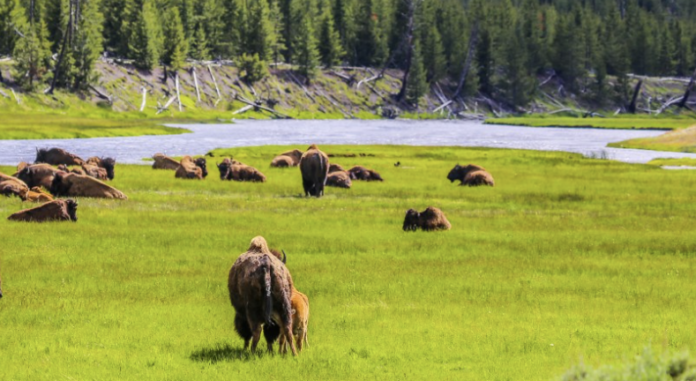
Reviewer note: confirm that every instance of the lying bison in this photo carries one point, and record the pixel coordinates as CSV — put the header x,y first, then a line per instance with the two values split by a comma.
x,y
58,210
74,185
336,168
260,288
361,173
11,186
339,180
300,321
234,170
93,170
37,194
429,220
107,163
192,169
55,156
471,175
287,159
314,166
164,162
38,175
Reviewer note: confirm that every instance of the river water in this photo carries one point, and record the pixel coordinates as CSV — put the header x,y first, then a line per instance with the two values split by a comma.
x,y
205,137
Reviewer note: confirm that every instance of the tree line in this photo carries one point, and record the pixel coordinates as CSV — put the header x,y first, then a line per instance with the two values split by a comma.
x,y
499,48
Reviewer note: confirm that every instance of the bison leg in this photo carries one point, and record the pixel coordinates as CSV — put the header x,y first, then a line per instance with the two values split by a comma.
x,y
256,329
271,333
307,188
287,333
242,328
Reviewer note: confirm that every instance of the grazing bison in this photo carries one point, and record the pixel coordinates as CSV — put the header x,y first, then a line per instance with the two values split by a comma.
x,y
55,156
164,162
191,169
260,288
339,180
10,186
361,173
74,185
429,220
93,170
300,320
336,168
58,210
107,163
37,194
479,175
234,170
314,166
38,175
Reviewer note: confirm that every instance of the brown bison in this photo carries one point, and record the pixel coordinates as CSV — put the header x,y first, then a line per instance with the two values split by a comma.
x,y
336,168
21,166
164,162
314,166
361,173
260,288
300,320
429,220
192,169
38,175
74,185
37,194
93,170
234,170
58,210
471,175
10,186
55,156
339,180
107,163
282,162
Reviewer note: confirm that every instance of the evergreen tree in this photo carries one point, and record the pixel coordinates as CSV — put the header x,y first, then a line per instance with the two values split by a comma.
x,y
143,45
330,47
417,85
569,61
343,19
367,43
258,34
665,63
87,43
306,54
515,82
209,14
32,56
175,43
680,50
187,14
114,26
276,38
13,23
199,45
433,54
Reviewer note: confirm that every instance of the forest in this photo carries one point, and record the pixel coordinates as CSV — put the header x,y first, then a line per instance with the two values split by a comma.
x,y
500,48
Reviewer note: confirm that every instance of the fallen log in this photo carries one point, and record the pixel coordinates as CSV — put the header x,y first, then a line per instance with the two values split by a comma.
x,y
166,105
100,93
195,82
217,89
243,110
142,105
261,107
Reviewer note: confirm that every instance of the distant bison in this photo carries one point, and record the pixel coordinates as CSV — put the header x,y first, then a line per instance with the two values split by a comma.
x,y
339,180
107,163
164,162
260,288
38,175
471,175
74,185
55,156
314,166
300,321
282,162
336,168
429,220
11,186
234,170
37,194
58,210
191,169
361,173
93,170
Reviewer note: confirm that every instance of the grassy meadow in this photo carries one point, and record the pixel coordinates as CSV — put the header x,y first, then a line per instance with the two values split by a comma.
x,y
566,260
617,122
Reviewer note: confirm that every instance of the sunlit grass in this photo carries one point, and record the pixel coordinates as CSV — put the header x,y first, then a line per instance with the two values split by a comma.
x,y
624,122
675,141
567,258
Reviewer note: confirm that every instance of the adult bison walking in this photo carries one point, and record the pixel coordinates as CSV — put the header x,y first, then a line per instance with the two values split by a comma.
x,y
260,289
314,166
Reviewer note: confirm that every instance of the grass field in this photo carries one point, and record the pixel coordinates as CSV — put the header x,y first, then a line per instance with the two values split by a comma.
x,y
675,141
567,259
621,122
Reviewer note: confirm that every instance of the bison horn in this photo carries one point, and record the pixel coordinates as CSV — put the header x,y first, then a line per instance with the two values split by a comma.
x,y
285,257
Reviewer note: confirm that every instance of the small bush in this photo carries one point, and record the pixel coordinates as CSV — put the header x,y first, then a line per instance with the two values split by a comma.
x,y
253,68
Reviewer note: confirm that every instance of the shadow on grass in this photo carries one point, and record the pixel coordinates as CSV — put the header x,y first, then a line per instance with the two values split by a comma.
x,y
223,352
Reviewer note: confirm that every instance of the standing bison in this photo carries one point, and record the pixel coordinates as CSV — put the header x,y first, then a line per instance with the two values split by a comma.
x,y
314,166
430,219
74,185
300,320
471,175
58,210
108,164
260,288
55,156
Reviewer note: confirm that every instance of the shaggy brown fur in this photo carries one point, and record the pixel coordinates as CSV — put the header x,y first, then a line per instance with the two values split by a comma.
x,y
314,166
109,165
21,166
336,168
37,194
72,184
282,161
295,154
164,162
95,171
260,288
10,186
38,175
339,180
459,172
300,320
361,173
429,220
279,254
188,169
58,210
234,170
478,178
55,156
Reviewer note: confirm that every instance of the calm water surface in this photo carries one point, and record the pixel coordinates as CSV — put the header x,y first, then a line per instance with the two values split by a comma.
x,y
206,137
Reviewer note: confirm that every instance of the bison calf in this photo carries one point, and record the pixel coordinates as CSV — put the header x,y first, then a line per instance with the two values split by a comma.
x,y
58,210
471,175
300,321
429,220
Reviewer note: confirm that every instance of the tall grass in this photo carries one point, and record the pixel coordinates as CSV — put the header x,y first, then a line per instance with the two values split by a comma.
x,y
566,258
622,122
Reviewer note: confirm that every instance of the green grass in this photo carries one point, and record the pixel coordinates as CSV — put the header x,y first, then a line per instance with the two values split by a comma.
x,y
683,162
567,258
676,141
622,122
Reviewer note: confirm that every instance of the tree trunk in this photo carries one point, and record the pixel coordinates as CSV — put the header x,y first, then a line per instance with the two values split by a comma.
x,y
409,53
473,40
689,88
66,37
632,106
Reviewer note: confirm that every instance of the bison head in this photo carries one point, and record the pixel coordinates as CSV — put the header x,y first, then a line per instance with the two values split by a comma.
x,y
225,169
40,155
72,209
201,163
456,173
411,220
109,164
374,176
58,188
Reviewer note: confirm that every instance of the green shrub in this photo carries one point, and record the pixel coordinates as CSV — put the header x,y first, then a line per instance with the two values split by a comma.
x,y
252,68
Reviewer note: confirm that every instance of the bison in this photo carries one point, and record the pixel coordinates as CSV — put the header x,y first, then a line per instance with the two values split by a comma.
x,y
37,194
164,162
38,175
361,173
339,180
74,185
282,161
429,220
300,320
260,288
191,169
55,156
107,163
58,210
93,170
336,168
471,175
11,186
234,170
314,166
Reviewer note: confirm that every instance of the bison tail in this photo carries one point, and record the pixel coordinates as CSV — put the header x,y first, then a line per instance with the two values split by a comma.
x,y
268,299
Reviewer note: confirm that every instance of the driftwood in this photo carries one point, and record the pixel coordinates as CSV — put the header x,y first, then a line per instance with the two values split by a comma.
x,y
669,103
350,80
243,110
195,82
217,89
166,105
4,94
547,79
261,107
100,93
178,95
297,81
142,105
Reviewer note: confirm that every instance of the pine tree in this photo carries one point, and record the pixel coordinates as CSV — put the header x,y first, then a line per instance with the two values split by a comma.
x,y
343,19
515,82
431,46
680,50
114,20
13,23
87,43
210,13
32,56
306,54
175,43
276,38
330,47
665,63
569,52
417,83
143,45
367,39
199,45
188,19
258,32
